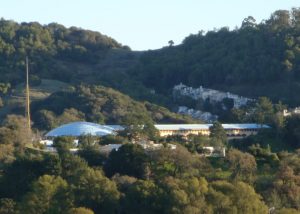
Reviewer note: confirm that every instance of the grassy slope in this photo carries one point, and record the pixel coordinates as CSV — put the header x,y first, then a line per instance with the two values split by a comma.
x,y
17,97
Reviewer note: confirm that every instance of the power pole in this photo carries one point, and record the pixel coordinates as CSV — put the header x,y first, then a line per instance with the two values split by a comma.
x,y
27,109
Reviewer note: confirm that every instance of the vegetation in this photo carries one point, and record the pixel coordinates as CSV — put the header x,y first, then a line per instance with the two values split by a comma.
x,y
256,59
45,45
134,180
101,105
259,174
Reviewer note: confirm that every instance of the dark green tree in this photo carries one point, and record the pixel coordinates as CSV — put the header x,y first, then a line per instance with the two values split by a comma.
x,y
143,197
243,166
217,134
80,210
63,144
49,194
264,111
92,189
130,159
8,206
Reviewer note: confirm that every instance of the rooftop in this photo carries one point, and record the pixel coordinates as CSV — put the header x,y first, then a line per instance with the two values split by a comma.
x,y
83,128
206,126
86,128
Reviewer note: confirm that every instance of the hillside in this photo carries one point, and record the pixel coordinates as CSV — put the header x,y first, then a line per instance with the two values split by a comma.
x,y
81,75
98,104
257,59
55,52
16,98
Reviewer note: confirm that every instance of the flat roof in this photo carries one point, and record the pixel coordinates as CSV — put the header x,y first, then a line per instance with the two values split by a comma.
x,y
206,126
86,128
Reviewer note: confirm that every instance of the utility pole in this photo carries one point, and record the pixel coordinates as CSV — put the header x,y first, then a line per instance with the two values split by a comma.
x,y
27,109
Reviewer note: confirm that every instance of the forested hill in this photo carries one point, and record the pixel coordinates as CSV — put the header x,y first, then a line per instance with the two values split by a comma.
x,y
52,49
254,60
98,104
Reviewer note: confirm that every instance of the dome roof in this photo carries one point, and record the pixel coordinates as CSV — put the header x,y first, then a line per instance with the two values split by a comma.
x,y
81,128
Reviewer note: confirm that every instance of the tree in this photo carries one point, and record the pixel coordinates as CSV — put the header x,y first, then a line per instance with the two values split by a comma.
x,y
6,152
247,200
137,132
4,88
287,211
263,112
52,165
1,102
8,206
243,165
72,167
15,132
286,187
92,189
279,121
49,194
63,144
171,43
195,143
123,181
80,210
279,20
292,131
130,159
238,115
71,115
134,132
236,198
172,162
19,175
296,17
90,150
150,131
217,134
228,103
186,195
45,120
143,197
249,22
220,201
113,139
88,141
169,195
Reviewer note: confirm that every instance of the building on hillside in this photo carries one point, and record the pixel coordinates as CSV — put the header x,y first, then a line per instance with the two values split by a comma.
x,y
197,114
77,129
233,131
291,112
211,94
149,146
210,151
110,147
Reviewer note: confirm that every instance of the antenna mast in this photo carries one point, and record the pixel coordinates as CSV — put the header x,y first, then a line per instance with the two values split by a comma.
x,y
27,111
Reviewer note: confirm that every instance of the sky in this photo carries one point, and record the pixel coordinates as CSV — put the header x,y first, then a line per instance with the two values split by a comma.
x,y
143,24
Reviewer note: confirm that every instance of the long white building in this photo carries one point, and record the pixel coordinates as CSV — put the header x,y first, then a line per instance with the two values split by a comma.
x,y
238,130
77,129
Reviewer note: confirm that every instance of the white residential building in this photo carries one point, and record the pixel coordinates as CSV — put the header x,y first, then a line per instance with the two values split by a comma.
x,y
211,94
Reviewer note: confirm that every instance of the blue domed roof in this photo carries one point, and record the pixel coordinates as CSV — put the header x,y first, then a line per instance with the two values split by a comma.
x,y
81,128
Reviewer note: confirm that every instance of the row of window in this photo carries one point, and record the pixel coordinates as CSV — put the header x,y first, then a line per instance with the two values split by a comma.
x,y
206,131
